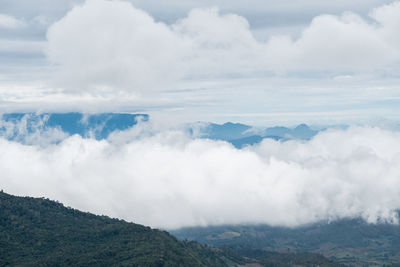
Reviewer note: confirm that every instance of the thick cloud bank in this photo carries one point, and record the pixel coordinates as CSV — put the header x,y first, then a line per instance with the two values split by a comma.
x,y
168,180
105,45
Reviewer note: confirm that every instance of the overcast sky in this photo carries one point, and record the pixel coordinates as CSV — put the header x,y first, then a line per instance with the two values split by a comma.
x,y
260,62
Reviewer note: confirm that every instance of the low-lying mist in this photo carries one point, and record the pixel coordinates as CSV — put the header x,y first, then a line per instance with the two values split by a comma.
x,y
168,179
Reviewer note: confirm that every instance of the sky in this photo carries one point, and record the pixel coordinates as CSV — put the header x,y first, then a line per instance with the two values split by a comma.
x,y
258,62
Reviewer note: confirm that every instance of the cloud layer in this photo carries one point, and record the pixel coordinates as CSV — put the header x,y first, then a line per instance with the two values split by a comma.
x,y
165,179
270,61
111,44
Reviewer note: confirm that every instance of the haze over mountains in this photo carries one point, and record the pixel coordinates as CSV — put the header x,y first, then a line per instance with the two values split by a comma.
x,y
241,135
350,241
289,179
16,126
98,126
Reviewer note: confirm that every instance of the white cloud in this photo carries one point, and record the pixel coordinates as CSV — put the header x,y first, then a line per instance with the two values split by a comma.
x,y
111,45
264,13
338,44
31,131
168,180
388,16
9,22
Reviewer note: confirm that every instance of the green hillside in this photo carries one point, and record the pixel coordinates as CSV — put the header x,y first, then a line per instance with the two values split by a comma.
x,y
40,232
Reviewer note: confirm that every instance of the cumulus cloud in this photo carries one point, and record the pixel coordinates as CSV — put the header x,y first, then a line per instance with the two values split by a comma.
x,y
166,179
332,43
388,16
106,44
111,44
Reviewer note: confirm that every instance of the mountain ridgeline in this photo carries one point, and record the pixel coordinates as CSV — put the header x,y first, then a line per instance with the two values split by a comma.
x,y
17,126
40,232
99,126
241,135
352,242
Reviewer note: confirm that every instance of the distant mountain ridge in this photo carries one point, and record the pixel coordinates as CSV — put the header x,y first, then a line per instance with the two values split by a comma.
x,y
241,135
352,242
226,131
14,126
98,126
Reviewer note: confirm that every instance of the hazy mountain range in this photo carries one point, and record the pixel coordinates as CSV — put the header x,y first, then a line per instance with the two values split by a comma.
x,y
14,126
98,126
349,241
241,135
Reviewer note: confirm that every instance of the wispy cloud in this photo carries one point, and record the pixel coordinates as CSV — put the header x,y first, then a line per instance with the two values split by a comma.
x,y
10,22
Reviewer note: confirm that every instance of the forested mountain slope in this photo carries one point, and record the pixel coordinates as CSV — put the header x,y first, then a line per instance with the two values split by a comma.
x,y
40,232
